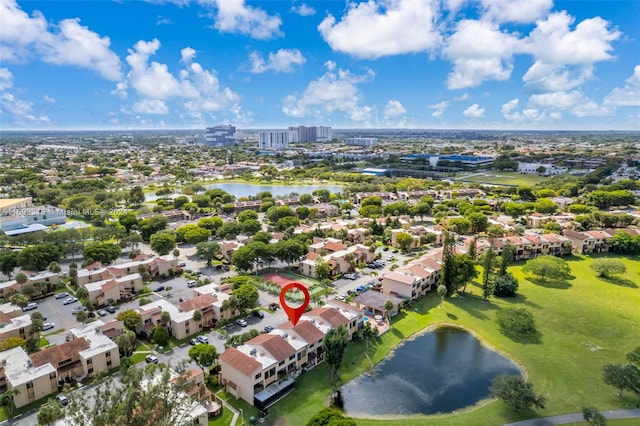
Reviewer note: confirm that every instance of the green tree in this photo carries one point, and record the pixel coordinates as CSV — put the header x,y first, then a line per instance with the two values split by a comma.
x,y
38,256
197,317
126,343
251,226
8,262
123,400
21,278
547,267
136,195
323,269
334,344
545,206
516,321
19,299
128,220
608,267
505,285
479,221
464,271
203,355
208,250
244,257
442,292
82,316
130,318
404,240
104,253
615,375
192,234
388,307
6,399
54,267
263,237
506,257
330,417
516,392
625,243
211,223
247,295
594,417
50,413
488,263
162,243
160,336
247,215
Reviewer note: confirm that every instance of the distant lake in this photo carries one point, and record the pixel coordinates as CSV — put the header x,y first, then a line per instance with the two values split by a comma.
x,y
240,189
438,372
247,190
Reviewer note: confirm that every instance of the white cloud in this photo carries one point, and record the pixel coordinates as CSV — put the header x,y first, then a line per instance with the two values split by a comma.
x,y
474,111
15,111
233,16
335,91
187,54
440,108
284,60
374,29
49,99
480,51
163,21
590,108
520,11
528,115
67,43
151,106
627,96
303,10
558,100
152,80
507,110
394,108
564,58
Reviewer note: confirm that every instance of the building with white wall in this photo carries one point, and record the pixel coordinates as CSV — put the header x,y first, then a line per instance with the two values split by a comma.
x,y
221,135
274,140
368,142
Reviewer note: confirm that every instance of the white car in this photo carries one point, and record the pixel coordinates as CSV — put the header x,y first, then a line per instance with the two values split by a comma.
x,y
48,326
203,339
151,359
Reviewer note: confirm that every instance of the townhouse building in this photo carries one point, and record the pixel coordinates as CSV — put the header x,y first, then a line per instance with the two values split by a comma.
x,y
587,242
14,323
340,258
43,281
32,382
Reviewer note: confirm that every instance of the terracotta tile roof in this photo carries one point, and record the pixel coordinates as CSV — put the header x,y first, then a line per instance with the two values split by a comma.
x,y
275,345
109,285
244,363
56,354
305,329
199,302
331,246
312,256
330,315
402,278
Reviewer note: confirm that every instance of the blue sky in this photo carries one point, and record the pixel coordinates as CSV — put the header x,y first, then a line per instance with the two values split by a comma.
x,y
499,64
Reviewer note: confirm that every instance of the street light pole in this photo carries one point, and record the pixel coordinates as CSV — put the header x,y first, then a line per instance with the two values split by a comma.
x,y
241,416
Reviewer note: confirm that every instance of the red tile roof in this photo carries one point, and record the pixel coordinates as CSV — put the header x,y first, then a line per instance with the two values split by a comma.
x,y
275,345
56,354
240,361
305,329
330,315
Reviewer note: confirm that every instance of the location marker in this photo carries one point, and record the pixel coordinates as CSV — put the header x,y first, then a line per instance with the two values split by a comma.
x,y
294,314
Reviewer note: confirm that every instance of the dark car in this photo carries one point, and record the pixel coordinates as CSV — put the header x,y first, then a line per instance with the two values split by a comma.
x,y
268,328
62,296
258,314
110,309
159,288
395,251
385,249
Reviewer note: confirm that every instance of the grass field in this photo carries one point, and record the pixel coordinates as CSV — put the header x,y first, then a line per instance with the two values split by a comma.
x,y
501,178
583,324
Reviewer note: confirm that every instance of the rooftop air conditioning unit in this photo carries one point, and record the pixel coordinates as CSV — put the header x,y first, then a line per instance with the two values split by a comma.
x,y
285,335
253,352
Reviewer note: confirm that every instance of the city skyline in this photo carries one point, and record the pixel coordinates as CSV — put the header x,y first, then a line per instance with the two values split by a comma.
x,y
451,64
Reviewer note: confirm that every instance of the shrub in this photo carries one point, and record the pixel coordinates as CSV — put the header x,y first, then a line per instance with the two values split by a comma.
x,y
144,301
505,285
517,321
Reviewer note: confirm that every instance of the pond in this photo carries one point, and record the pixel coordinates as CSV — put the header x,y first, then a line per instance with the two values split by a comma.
x,y
437,372
240,189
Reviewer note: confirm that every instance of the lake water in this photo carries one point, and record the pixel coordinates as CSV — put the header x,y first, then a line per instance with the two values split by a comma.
x,y
439,371
247,190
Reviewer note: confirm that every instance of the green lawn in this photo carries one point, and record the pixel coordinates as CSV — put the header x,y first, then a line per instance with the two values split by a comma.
x,y
501,178
223,419
583,324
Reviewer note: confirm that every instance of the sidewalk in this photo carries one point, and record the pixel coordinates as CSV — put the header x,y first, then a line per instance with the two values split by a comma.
x,y
573,418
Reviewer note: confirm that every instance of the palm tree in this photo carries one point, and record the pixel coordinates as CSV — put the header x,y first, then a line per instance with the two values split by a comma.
x,y
6,399
388,306
197,317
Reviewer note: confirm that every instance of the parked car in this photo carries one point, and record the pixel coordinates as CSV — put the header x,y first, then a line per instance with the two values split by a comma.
x,y
258,314
395,251
267,329
62,399
193,341
390,258
151,359
48,326
30,307
192,283
350,276
159,288
78,309
362,288
203,339
102,312
182,264
110,309
241,323
385,249
69,301
62,296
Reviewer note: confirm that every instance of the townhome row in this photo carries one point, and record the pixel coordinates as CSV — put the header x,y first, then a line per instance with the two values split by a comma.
x,y
262,371
90,350
341,259
14,323
41,281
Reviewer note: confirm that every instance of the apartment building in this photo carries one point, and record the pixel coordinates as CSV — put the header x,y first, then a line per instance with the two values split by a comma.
x,y
336,257
367,142
221,135
587,242
105,292
32,382
276,140
36,278
14,323
526,246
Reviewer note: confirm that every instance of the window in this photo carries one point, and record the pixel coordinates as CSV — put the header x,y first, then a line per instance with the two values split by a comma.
x,y
292,357
29,385
281,364
90,371
52,375
258,376
109,363
89,361
107,354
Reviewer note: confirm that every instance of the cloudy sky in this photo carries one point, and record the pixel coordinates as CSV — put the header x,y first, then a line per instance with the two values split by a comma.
x,y
500,64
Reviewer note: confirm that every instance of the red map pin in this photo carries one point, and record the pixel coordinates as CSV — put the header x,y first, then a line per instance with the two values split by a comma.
x,y
294,314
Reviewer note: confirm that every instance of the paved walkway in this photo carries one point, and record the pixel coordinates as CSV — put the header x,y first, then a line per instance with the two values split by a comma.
x,y
573,418
235,412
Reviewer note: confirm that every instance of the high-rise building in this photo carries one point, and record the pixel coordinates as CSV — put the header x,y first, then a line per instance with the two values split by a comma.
x,y
312,134
368,142
221,135
276,139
